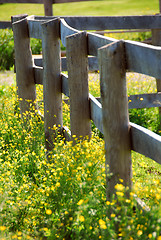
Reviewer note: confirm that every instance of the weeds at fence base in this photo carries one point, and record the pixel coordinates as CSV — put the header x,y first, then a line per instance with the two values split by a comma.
x,y
64,198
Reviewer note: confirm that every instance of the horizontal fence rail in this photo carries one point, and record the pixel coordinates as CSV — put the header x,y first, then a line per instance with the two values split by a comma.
x,y
108,22
5,24
113,59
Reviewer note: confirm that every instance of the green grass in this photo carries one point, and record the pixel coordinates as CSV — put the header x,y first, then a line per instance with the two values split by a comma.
x,y
93,8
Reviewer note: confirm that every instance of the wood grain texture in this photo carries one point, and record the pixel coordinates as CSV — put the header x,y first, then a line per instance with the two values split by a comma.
x,y
24,67
156,40
65,84
35,29
112,22
144,100
48,7
37,60
92,63
143,58
96,41
51,80
65,31
96,112
115,114
38,75
146,142
77,62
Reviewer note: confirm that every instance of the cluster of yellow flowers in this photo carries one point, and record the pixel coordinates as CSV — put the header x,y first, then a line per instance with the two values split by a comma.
x,y
64,196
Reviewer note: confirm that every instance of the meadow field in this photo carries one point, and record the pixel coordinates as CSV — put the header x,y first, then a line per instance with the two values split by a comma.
x,y
64,197
93,8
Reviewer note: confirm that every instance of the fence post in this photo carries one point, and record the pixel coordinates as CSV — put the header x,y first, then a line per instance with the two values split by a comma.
x,y
115,114
24,66
51,79
77,63
48,7
156,40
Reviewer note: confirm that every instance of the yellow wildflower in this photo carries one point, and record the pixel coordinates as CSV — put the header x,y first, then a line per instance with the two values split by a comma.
x,y
81,218
139,233
102,224
80,202
2,228
48,212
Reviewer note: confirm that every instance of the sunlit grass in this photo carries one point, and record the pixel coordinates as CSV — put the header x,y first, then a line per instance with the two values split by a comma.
x,y
93,8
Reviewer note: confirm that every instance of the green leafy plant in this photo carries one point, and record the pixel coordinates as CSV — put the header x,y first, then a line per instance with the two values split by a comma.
x,y
6,49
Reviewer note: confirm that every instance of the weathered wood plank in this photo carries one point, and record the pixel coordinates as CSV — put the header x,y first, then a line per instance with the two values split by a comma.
x,y
48,7
96,41
112,22
37,59
96,112
77,62
38,75
19,17
112,64
51,80
35,30
5,24
143,58
65,84
24,66
66,30
92,63
146,142
144,100
156,40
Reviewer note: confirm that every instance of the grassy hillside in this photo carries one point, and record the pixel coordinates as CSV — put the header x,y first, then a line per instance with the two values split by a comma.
x,y
115,7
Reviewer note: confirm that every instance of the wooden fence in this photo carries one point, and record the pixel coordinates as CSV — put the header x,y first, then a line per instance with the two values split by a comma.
x,y
89,51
